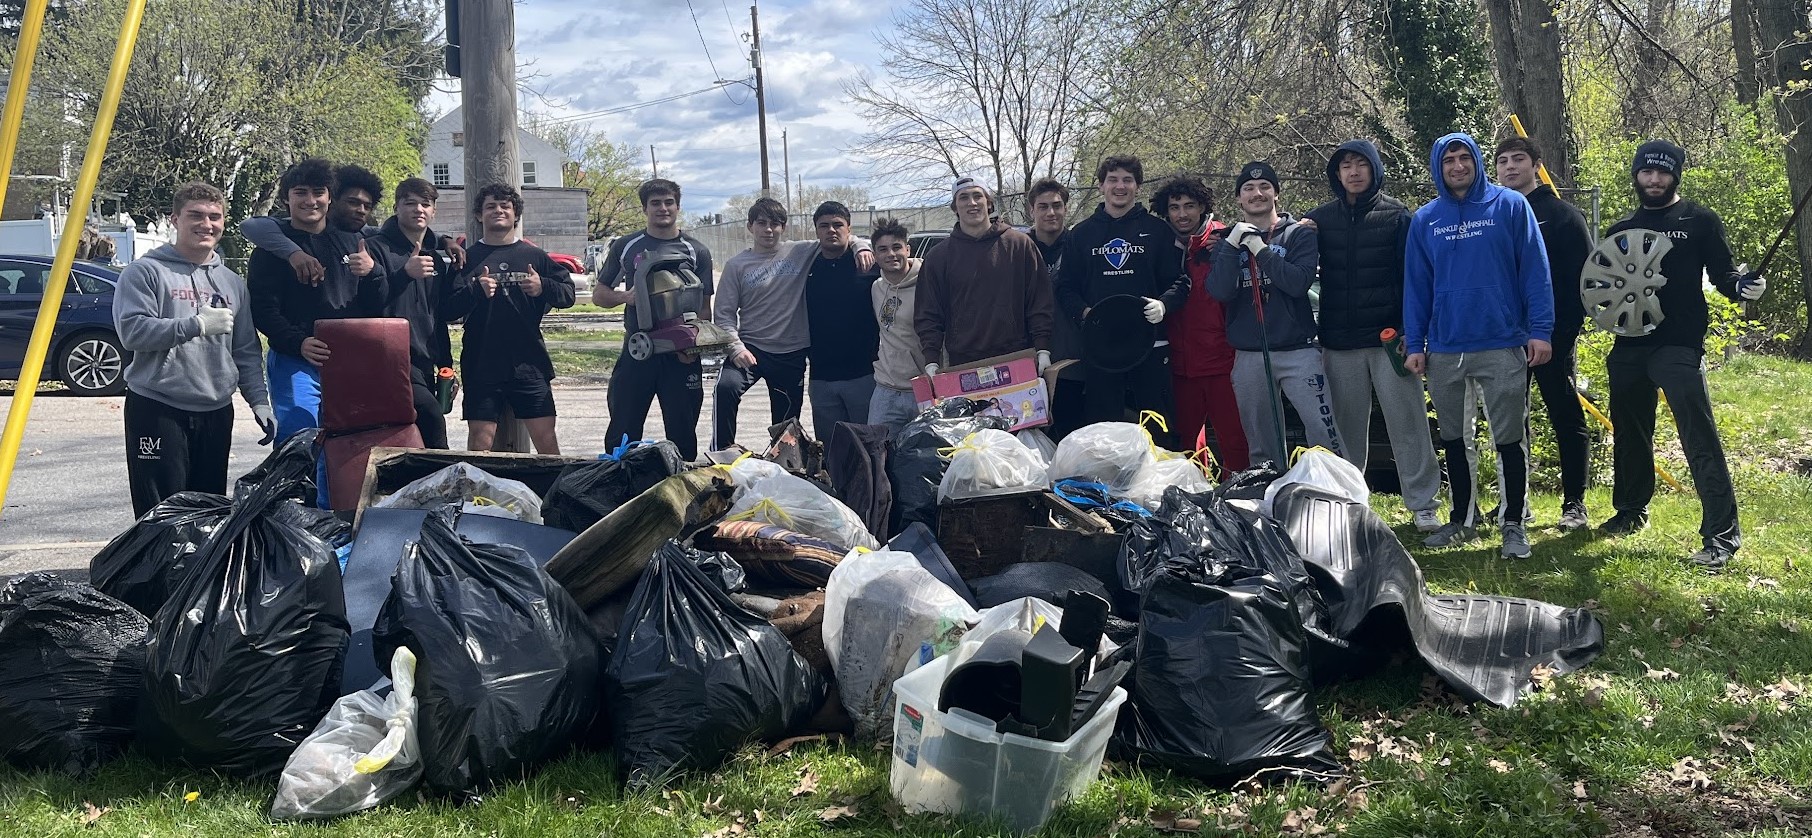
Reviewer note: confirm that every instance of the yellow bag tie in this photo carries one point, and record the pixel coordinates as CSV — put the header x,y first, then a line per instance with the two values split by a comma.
x,y
765,505
732,464
481,500
1303,449
1156,418
965,445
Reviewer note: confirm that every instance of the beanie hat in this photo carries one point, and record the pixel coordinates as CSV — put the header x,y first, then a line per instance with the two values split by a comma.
x,y
967,182
1661,155
1257,170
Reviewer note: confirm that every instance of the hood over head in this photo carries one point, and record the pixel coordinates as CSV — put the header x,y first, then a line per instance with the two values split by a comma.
x,y
1435,154
1363,148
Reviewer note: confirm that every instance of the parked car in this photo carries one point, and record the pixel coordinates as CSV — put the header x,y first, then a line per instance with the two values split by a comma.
x,y
919,244
85,351
581,277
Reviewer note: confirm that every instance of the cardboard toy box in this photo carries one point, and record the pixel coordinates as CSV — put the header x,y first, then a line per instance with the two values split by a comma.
x,y
1019,393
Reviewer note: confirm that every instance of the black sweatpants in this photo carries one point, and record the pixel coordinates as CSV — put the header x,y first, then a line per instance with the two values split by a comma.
x,y
1679,371
784,373
1108,395
428,419
634,385
170,450
1560,393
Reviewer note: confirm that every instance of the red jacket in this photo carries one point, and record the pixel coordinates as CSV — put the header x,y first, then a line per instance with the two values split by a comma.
x,y
1198,334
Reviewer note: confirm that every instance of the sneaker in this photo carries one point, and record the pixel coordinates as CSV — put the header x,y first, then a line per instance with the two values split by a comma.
x,y
1427,520
1449,535
1710,559
1624,523
1516,542
1573,516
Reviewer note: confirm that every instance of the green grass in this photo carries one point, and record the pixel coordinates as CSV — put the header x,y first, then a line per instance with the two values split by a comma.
x,y
1697,667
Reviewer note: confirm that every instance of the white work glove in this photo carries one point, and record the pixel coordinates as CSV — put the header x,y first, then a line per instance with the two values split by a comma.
x,y
1750,286
267,421
215,321
1246,235
931,370
1154,311
1044,360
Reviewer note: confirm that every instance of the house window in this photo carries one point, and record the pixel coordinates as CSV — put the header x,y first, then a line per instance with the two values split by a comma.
x,y
528,173
459,139
442,175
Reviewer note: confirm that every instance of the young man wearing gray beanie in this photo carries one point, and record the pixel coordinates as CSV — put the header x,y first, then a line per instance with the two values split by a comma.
x,y
983,292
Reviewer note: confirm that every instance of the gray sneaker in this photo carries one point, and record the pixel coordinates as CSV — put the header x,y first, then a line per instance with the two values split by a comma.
x,y
1449,535
1573,516
1427,520
1516,542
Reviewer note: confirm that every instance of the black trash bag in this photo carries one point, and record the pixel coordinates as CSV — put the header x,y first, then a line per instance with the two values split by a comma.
x,y
1220,688
696,675
916,468
244,658
1249,484
584,493
141,565
72,663
722,570
1048,581
507,666
1254,540
296,457
1178,530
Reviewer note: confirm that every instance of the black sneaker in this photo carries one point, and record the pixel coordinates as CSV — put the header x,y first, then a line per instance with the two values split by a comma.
x,y
1710,559
1573,516
1624,523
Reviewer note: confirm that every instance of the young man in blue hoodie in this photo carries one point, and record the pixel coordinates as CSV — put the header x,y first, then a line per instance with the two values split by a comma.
x,y
186,320
1271,316
1478,311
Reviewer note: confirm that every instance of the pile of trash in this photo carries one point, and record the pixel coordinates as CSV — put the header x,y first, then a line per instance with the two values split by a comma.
x,y
1005,610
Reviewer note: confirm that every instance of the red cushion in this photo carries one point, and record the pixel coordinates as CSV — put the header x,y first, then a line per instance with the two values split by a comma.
x,y
348,455
365,382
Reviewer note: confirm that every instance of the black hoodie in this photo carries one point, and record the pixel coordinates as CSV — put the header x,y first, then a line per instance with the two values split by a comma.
x,y
1134,254
428,304
1361,257
1568,239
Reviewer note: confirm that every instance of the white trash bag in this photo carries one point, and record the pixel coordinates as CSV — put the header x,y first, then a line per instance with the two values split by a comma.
x,y
1040,444
766,492
991,462
1324,470
879,608
1025,614
363,753
1148,487
1112,453
475,490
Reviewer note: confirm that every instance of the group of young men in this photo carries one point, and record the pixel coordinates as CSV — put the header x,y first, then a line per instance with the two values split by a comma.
x,y
1470,300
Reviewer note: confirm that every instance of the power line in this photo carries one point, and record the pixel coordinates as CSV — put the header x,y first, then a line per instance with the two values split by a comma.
x,y
715,73
580,117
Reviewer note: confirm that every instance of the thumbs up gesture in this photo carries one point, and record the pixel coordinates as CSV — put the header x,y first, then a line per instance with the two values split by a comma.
x,y
486,282
360,261
419,266
531,282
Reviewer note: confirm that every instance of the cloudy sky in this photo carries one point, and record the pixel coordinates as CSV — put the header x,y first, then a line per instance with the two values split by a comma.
x,y
584,56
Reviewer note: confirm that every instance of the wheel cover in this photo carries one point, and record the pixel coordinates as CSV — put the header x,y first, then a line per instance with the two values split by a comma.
x,y
641,347
94,364
1619,282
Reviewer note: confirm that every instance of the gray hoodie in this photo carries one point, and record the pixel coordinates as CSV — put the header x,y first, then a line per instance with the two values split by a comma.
x,y
900,358
154,311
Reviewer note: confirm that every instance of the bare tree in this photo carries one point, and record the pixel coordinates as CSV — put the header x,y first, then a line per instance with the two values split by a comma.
x,y
1526,38
971,86
1781,26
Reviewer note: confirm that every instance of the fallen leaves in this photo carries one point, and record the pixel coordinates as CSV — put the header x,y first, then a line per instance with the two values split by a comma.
x,y
788,743
808,782
837,813
1579,790
92,813
1654,674
1688,772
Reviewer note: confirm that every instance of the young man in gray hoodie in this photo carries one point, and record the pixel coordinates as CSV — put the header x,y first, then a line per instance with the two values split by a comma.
x,y
184,317
899,359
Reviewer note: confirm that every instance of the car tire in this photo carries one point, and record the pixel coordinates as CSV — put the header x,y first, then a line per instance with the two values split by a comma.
x,y
92,364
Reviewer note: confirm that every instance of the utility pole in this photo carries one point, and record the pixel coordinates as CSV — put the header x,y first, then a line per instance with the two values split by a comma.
x,y
761,101
655,164
786,160
488,99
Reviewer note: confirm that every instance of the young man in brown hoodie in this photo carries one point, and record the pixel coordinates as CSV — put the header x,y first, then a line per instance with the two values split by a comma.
x,y
983,292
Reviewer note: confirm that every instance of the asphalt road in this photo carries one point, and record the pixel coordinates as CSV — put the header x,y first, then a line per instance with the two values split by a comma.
x,y
69,496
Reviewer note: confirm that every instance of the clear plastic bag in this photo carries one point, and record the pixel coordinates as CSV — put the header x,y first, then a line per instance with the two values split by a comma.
x,y
1040,444
879,609
991,462
765,492
363,753
1111,453
1148,487
1026,614
473,489
1324,470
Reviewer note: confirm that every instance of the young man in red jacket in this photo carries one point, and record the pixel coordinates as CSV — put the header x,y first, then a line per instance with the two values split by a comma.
x,y
1201,360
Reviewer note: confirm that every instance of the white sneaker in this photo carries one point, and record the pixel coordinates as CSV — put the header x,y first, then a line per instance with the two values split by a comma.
x,y
1427,520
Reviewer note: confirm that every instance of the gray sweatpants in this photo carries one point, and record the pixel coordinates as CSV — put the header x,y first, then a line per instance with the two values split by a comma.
x,y
1303,381
1353,376
1499,379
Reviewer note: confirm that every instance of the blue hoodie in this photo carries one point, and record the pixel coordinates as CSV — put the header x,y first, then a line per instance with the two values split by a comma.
x,y
1475,275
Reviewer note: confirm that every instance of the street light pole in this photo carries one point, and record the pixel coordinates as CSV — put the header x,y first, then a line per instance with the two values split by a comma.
x,y
761,99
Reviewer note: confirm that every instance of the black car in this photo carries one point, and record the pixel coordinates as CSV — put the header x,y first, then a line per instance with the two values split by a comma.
x,y
85,351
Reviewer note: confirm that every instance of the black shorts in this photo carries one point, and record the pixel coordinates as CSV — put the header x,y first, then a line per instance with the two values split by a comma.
x,y
527,393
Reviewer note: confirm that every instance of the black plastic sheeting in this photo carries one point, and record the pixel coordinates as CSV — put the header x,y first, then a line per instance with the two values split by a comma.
x,y
695,675
1484,647
72,665
141,565
507,667
584,493
916,468
293,457
244,658
1048,581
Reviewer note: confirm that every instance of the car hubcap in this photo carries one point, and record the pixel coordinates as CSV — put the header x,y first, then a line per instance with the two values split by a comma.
x,y
95,364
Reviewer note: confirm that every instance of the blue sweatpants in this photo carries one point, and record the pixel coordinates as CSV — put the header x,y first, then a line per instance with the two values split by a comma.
x,y
296,400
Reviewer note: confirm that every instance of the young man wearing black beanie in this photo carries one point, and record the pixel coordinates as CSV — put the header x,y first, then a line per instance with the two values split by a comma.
x,y
1671,357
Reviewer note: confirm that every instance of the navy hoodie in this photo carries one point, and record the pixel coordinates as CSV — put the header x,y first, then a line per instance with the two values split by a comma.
x,y
1286,270
1475,274
1134,254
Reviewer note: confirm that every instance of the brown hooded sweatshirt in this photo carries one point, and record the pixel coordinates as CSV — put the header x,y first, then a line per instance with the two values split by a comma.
x,y
983,296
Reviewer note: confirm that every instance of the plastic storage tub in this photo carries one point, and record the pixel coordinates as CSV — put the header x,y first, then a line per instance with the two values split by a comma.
x,y
955,763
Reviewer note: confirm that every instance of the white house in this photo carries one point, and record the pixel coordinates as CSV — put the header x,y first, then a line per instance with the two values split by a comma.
x,y
444,159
